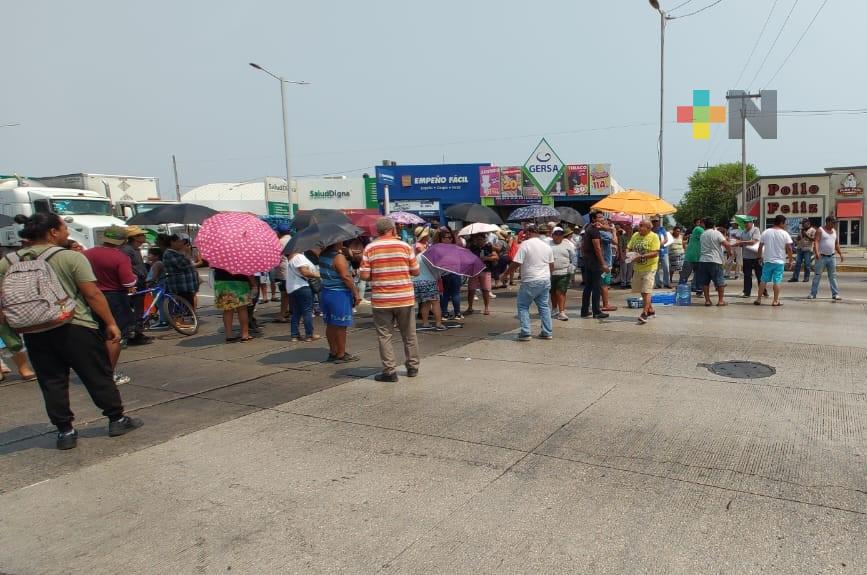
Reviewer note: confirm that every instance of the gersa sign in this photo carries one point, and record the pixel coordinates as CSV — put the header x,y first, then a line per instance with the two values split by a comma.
x,y
544,167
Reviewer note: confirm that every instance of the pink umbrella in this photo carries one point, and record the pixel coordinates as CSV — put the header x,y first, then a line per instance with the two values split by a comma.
x,y
625,219
405,218
238,243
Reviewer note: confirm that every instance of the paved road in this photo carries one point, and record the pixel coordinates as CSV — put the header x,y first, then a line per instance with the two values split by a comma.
x,y
610,449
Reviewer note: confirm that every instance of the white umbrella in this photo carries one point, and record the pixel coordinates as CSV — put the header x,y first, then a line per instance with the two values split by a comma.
x,y
478,229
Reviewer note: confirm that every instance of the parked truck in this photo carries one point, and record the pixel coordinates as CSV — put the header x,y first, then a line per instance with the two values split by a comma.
x,y
86,213
129,195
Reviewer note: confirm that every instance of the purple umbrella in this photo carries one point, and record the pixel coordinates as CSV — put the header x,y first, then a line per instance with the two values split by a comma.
x,y
405,218
453,259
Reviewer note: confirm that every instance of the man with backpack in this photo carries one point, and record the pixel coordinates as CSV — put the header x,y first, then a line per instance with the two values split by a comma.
x,y
49,294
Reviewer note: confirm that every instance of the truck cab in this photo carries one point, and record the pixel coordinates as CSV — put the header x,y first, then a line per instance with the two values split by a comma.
x,y
125,209
86,213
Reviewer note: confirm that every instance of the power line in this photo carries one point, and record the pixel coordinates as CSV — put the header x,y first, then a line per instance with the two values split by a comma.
x,y
798,43
758,40
681,5
699,11
774,43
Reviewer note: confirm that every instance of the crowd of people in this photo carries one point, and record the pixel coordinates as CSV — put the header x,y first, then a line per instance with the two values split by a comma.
x,y
99,307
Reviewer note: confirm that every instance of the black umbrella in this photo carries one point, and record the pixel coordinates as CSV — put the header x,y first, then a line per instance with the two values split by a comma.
x,y
321,235
6,220
571,215
304,219
173,214
473,213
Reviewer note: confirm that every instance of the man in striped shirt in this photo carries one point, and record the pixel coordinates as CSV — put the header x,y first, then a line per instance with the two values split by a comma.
x,y
389,265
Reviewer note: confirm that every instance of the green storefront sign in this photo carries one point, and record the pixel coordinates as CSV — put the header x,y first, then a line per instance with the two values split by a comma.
x,y
370,199
278,209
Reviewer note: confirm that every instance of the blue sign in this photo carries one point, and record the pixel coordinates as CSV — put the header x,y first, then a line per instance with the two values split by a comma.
x,y
385,176
447,184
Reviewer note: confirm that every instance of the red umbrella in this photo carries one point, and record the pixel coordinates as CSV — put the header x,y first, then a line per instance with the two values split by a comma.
x,y
366,222
238,243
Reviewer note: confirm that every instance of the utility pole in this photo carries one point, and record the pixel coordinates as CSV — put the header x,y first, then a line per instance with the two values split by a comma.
x,y
177,183
743,109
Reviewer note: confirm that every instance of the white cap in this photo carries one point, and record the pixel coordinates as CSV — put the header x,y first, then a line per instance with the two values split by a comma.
x,y
557,229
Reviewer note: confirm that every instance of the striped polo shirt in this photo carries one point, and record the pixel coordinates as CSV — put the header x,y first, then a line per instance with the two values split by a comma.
x,y
390,262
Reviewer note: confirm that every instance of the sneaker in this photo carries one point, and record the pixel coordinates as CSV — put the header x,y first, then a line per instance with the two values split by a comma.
x,y
386,377
440,328
811,296
792,280
651,315
140,339
67,439
602,315
123,425
121,379
642,319
411,372
523,337
546,336
562,317
493,295
459,317
836,298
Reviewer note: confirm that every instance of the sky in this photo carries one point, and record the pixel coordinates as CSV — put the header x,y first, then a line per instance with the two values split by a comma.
x,y
103,86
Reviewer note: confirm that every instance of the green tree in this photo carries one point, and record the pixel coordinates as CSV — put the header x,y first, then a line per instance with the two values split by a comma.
x,y
713,192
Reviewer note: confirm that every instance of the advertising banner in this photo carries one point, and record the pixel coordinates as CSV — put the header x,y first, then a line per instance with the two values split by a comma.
x,y
511,181
277,196
489,177
370,200
578,180
331,193
529,189
600,178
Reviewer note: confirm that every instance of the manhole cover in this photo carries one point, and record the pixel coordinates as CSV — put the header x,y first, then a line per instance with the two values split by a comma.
x,y
740,369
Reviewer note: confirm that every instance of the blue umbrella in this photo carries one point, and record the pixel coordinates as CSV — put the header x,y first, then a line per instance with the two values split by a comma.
x,y
533,212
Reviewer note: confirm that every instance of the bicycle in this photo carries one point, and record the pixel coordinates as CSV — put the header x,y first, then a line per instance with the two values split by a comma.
x,y
176,311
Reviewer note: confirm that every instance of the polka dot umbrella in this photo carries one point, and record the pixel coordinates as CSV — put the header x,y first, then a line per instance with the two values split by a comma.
x,y
238,243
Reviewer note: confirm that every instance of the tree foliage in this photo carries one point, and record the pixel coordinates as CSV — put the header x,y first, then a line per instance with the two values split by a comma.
x,y
713,192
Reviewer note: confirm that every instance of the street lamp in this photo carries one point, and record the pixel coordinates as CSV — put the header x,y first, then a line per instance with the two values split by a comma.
x,y
663,18
283,83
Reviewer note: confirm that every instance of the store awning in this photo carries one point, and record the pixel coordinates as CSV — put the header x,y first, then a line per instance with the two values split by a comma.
x,y
850,209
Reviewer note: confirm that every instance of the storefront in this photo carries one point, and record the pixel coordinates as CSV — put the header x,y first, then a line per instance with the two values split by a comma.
x,y
847,184
838,192
428,190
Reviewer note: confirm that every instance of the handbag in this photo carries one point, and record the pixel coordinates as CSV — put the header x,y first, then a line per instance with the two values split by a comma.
x,y
315,284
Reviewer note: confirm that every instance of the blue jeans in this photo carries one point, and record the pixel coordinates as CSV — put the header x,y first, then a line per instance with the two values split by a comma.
x,y
451,293
538,292
804,257
829,262
663,278
301,301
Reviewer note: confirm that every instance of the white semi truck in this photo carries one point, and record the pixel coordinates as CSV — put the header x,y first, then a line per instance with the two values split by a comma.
x,y
86,213
129,195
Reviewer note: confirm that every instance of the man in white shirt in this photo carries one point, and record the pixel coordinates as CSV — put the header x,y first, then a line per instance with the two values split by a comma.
x,y
536,260
714,248
748,241
775,250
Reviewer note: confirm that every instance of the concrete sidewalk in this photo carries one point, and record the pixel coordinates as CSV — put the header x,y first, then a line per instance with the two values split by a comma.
x,y
611,449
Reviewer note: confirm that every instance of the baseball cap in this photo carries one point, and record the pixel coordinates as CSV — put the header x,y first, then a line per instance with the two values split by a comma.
x,y
114,235
557,230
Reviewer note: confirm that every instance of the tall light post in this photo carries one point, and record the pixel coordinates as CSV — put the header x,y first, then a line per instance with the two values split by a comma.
x,y
663,18
283,83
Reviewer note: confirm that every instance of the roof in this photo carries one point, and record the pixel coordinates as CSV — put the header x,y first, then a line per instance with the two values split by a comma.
x,y
226,191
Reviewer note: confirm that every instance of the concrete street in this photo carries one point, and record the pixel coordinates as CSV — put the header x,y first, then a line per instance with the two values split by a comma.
x,y
610,449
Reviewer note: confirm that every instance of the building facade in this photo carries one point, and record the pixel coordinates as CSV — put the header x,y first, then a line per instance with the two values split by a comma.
x,y
837,191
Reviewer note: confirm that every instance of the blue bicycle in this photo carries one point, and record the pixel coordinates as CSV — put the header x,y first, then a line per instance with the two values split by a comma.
x,y
162,306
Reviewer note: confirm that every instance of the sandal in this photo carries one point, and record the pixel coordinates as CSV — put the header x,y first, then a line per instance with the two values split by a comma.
x,y
310,338
347,358
281,320
777,304
243,339
233,339
721,304
31,377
